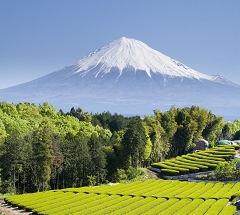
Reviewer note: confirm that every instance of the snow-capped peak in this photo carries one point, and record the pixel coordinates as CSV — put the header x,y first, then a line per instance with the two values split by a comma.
x,y
130,53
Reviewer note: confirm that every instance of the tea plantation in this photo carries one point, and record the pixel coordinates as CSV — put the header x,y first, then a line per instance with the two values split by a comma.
x,y
148,197
196,162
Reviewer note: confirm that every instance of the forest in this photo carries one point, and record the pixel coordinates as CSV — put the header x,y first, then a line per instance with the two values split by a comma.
x,y
41,148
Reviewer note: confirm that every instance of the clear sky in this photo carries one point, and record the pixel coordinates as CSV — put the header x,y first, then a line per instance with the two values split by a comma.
x,y
40,37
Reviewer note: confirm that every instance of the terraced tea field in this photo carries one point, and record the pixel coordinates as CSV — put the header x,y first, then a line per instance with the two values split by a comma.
x,y
148,197
196,162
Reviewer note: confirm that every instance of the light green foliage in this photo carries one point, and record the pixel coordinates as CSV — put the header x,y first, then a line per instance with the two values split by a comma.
x,y
156,134
131,174
92,180
3,133
148,148
234,126
227,170
133,198
229,210
203,208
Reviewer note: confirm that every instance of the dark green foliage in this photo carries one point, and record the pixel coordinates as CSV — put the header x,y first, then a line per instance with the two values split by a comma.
x,y
134,141
237,135
77,160
41,156
108,121
98,158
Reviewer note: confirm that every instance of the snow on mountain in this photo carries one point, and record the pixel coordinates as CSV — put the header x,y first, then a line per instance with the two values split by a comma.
x,y
133,54
128,77
222,80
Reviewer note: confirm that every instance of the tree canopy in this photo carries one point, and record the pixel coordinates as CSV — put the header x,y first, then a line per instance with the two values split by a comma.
x,y
41,148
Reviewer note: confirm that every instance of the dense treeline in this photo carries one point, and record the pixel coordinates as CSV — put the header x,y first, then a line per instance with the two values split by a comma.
x,y
44,149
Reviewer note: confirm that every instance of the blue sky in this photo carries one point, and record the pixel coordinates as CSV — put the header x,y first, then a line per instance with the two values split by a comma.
x,y
40,37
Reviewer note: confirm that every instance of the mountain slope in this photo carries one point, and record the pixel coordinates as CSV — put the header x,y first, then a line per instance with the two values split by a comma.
x,y
127,77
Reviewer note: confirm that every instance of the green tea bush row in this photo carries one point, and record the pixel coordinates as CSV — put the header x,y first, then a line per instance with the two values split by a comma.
x,y
192,169
154,186
144,208
209,156
229,210
177,206
189,207
205,158
64,200
202,208
223,152
199,192
63,205
183,161
169,193
236,147
224,149
220,193
217,207
108,206
180,190
84,204
226,157
161,207
163,165
196,187
201,167
200,161
132,206
214,189
159,191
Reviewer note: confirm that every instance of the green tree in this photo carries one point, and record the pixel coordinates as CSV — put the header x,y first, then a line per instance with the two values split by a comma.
x,y
183,138
3,133
214,124
77,160
13,161
42,156
134,142
156,133
199,116
98,158
112,163
57,163
169,125
237,135
226,133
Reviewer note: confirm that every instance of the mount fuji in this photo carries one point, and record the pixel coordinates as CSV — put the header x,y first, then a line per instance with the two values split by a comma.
x,y
128,77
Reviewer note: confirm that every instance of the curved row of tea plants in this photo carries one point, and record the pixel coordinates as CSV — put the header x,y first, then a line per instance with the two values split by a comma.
x,y
195,162
148,197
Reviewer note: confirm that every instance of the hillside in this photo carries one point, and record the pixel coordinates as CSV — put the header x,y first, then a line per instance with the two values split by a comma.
x,y
128,77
